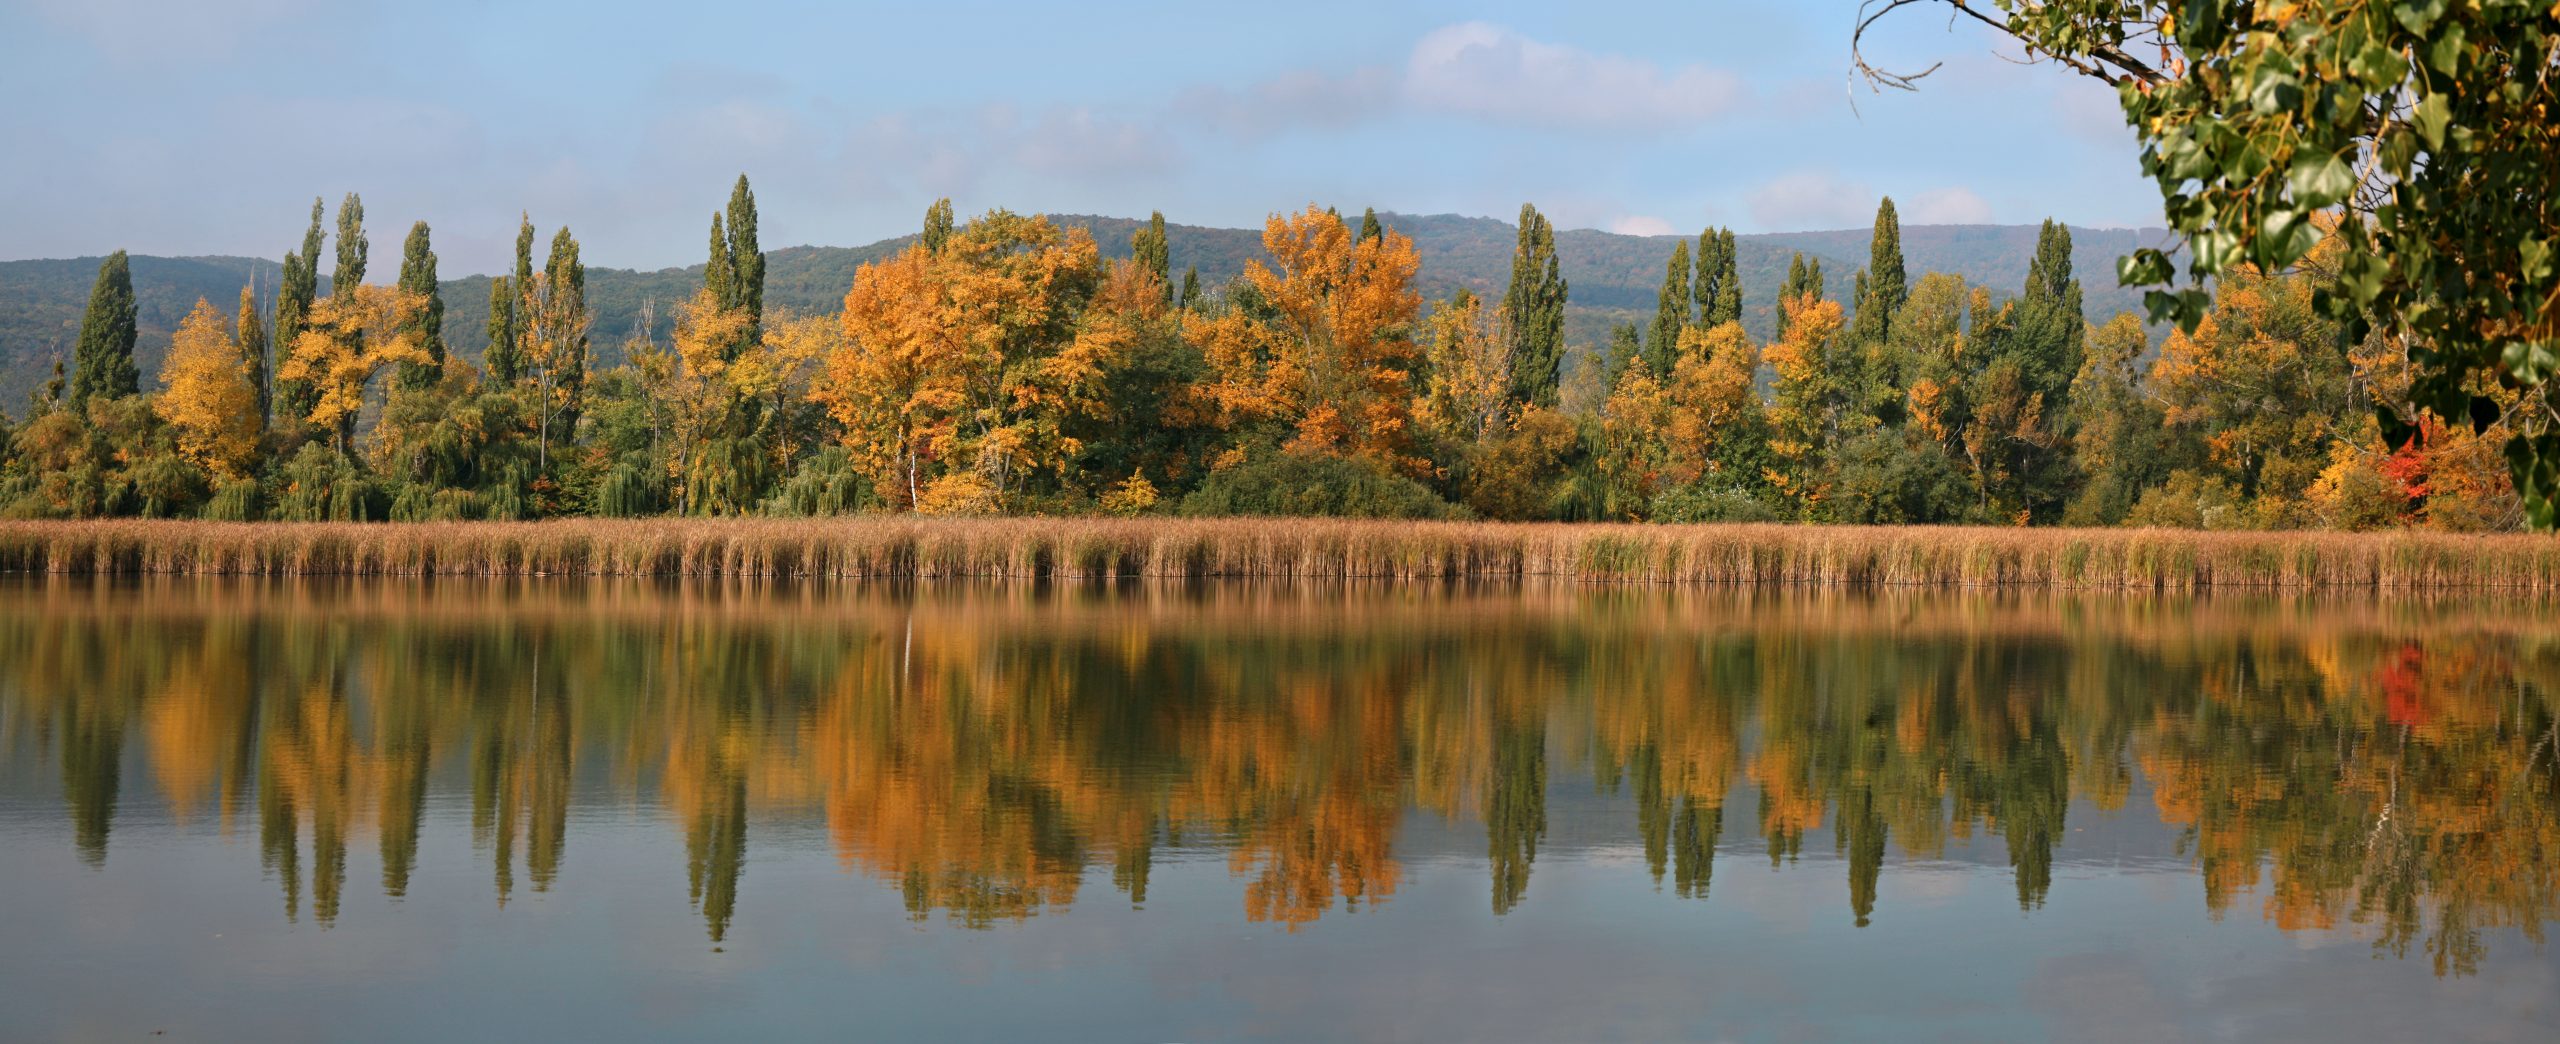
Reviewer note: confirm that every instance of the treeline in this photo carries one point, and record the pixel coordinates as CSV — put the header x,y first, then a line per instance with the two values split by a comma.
x,y
1002,366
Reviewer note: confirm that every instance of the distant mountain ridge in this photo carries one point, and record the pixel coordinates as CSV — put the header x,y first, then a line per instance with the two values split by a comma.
x,y
1612,278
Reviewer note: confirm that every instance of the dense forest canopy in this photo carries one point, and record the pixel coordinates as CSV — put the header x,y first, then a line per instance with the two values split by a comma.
x,y
1013,364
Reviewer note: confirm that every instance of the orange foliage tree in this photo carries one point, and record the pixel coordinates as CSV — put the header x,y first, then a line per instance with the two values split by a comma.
x,y
1324,351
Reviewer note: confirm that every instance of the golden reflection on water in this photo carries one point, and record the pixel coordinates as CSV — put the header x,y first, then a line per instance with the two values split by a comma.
x,y
986,751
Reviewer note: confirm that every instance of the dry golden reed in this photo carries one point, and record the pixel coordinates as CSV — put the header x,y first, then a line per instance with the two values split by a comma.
x,y
879,547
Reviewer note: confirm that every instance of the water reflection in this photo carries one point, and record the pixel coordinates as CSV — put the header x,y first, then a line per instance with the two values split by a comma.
x,y
990,753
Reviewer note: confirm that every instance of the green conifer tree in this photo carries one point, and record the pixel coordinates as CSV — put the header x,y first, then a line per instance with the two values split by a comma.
x,y
1671,309
250,333
1710,272
102,364
937,225
352,246
1154,251
291,401
1728,304
1369,226
746,261
418,276
1533,312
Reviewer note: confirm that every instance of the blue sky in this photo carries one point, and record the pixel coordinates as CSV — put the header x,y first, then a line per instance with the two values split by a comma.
x,y
205,126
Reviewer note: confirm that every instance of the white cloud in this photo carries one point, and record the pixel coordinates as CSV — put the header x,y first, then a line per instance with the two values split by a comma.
x,y
1492,72
1298,98
1946,206
1641,225
1809,200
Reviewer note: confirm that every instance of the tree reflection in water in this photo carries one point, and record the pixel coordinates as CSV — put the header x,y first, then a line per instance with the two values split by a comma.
x,y
2382,764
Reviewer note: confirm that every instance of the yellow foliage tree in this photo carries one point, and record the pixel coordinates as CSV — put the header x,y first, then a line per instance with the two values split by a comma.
x,y
1328,356
1802,417
960,370
348,337
1470,372
207,396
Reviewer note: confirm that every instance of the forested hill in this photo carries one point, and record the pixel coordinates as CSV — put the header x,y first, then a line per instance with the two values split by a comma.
x,y
1612,277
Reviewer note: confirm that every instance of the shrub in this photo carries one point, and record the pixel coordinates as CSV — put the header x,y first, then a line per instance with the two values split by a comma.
x,y
2189,501
1276,483
824,484
1704,503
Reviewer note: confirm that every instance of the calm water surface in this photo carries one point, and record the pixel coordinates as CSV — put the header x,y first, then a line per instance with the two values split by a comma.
x,y
380,810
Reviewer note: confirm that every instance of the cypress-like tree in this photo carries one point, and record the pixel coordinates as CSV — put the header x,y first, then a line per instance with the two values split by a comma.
x,y
1369,226
1884,286
1190,287
746,262
418,276
1154,251
2050,333
1671,310
292,400
102,364
250,334
1533,312
937,225
565,310
1710,269
352,247
499,356
1728,301
717,273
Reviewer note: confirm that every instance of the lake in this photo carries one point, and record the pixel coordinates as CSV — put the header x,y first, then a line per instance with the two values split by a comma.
x,y
393,809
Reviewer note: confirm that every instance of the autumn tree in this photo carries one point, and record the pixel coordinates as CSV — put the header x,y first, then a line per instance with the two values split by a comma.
x,y
1326,354
350,336
103,362
1805,411
552,327
206,395
1532,313
960,369
1470,372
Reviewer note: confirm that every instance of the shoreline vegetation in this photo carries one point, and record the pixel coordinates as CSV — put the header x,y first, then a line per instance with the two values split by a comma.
x,y
887,547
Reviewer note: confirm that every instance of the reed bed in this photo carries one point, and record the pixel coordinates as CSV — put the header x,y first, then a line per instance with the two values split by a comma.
x,y
1094,549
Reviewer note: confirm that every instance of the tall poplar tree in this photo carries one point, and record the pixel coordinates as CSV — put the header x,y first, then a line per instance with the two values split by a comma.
x,y
1671,308
352,246
2050,331
746,261
937,225
1883,286
1710,275
1154,251
418,276
250,331
1728,299
301,286
102,364
1533,312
